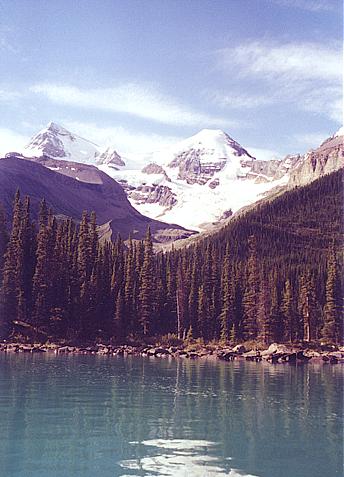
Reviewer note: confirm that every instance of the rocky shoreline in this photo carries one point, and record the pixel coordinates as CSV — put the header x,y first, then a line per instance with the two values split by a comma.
x,y
275,353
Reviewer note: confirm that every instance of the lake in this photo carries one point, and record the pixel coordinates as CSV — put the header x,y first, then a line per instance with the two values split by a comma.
x,y
83,416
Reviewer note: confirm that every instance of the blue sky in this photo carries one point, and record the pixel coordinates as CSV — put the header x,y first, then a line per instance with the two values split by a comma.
x,y
139,74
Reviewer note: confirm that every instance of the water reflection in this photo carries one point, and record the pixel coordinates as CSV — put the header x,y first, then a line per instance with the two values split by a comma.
x,y
180,458
77,415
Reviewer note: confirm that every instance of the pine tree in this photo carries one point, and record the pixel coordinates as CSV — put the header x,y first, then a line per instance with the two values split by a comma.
x,y
119,330
3,239
226,316
329,330
250,299
288,312
265,331
129,288
41,280
193,296
9,290
307,306
147,286
181,303
202,310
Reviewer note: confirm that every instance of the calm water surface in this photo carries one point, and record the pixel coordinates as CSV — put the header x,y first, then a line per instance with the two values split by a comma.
x,y
83,416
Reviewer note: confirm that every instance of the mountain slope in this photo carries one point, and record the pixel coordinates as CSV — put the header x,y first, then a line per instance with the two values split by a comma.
x,y
328,157
69,188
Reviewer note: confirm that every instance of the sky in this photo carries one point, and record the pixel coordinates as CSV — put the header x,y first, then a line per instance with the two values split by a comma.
x,y
141,74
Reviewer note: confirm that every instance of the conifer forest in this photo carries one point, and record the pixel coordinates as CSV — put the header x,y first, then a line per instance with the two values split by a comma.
x,y
273,273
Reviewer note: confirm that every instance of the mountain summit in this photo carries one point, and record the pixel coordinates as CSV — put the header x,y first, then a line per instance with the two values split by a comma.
x,y
56,142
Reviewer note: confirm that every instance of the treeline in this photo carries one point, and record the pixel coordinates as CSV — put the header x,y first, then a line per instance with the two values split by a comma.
x,y
273,274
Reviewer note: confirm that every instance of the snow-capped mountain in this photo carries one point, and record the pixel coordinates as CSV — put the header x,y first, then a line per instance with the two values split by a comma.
x,y
200,180
56,142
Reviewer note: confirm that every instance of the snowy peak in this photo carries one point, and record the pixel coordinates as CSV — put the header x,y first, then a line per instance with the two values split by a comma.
x,y
110,157
56,142
210,145
205,154
214,142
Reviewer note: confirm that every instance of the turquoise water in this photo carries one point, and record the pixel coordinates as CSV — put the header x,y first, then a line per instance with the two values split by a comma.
x,y
83,416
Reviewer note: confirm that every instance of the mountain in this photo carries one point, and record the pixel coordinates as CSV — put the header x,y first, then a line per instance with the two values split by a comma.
x,y
56,142
196,183
110,156
200,180
69,188
327,158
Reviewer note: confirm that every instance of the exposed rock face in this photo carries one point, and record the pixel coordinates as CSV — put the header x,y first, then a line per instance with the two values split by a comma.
x,y
154,194
153,168
327,158
69,188
267,171
111,157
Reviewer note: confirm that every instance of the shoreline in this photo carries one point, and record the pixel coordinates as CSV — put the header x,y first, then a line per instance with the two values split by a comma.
x,y
275,353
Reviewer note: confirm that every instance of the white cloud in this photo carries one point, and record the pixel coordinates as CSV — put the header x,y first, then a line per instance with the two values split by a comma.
x,y
309,5
11,141
124,140
307,75
140,101
293,61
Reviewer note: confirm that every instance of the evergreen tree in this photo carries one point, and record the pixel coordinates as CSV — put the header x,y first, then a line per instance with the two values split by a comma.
x,y
147,286
226,316
329,330
3,239
288,313
9,290
250,299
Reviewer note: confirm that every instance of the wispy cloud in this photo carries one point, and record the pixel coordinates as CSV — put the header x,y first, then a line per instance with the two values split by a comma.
x,y
309,5
7,96
293,61
238,100
308,75
133,99
11,141
124,140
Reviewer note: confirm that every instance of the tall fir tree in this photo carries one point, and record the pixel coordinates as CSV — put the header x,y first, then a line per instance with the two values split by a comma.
x,y
329,329
250,299
9,291
147,287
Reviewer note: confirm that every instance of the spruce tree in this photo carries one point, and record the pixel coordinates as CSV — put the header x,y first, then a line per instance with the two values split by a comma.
x,y
288,312
329,329
226,316
147,286
3,239
10,285
250,299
